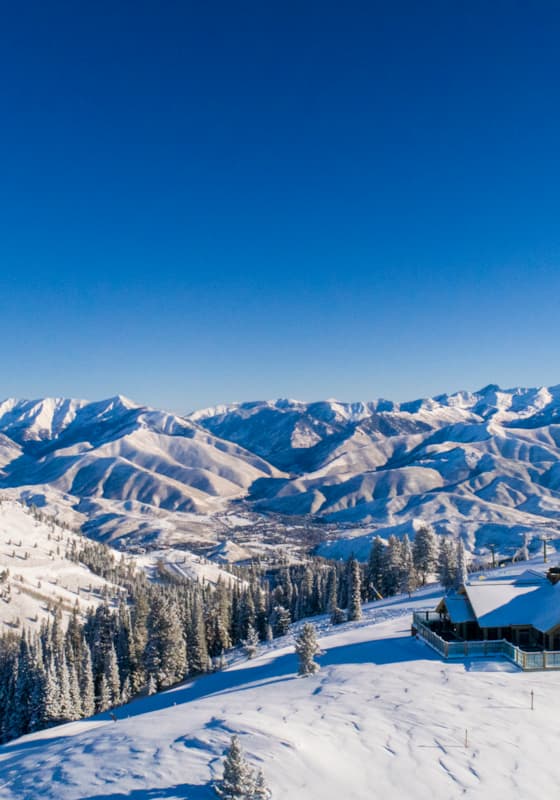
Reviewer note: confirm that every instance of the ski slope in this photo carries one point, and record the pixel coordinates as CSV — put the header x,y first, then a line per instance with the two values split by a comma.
x,y
384,717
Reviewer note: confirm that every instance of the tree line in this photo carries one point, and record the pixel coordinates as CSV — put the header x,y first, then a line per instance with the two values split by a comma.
x,y
155,635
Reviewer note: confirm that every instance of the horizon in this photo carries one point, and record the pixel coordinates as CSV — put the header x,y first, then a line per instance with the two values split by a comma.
x,y
280,399
200,204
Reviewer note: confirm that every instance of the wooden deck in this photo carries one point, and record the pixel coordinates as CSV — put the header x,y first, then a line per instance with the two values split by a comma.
x,y
526,660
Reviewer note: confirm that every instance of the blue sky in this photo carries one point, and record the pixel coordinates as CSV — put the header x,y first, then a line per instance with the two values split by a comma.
x,y
202,203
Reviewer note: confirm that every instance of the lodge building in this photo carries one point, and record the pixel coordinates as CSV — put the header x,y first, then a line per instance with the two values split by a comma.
x,y
523,609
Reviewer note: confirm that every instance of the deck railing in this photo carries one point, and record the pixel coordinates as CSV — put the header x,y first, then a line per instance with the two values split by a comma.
x,y
543,659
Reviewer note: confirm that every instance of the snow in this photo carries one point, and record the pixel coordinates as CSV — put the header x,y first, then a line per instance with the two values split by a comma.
x,y
525,599
44,576
184,564
385,716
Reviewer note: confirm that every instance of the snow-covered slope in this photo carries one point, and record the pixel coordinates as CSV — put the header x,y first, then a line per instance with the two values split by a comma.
x,y
37,574
384,717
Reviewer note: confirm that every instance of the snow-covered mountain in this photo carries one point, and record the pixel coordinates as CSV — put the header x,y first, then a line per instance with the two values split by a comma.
x,y
115,450
484,464
385,716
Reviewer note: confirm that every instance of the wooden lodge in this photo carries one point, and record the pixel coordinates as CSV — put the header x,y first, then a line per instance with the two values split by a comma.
x,y
521,609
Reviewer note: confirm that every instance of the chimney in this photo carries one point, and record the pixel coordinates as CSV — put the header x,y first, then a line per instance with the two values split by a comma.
x,y
553,574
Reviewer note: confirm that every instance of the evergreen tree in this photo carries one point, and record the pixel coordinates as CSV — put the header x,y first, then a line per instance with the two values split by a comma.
x,y
250,644
197,649
461,571
238,782
447,563
261,790
307,648
409,579
166,655
332,591
103,700
374,570
126,691
280,621
112,675
393,567
87,689
425,552
51,710
354,591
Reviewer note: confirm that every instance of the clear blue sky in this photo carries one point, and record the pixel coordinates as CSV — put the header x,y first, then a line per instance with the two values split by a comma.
x,y
207,202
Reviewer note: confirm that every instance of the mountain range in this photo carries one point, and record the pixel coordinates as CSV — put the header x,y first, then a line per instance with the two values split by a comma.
x,y
484,465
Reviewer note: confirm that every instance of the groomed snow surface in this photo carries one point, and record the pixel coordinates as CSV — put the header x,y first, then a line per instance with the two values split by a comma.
x,y
385,717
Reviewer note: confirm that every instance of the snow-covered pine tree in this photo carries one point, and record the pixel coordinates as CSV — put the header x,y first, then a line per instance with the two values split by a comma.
x,y
332,590
447,563
307,648
112,675
197,650
261,790
409,579
354,590
126,691
238,781
392,571
166,653
425,552
103,700
374,569
250,644
87,689
461,573
280,621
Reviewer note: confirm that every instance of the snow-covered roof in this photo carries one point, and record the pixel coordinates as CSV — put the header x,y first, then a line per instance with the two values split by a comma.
x,y
458,608
525,599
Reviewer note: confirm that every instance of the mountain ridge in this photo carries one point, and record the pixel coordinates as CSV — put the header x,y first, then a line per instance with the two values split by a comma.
x,y
484,465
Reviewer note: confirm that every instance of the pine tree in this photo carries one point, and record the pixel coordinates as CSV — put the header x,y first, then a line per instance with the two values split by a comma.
x,y
87,689
462,575
307,648
126,691
238,782
332,591
280,621
196,638
393,566
374,571
250,644
447,563
354,591
112,675
261,790
166,655
103,696
51,712
425,552
409,579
